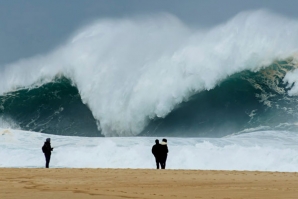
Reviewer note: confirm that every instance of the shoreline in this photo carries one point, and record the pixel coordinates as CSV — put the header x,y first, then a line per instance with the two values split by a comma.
x,y
145,183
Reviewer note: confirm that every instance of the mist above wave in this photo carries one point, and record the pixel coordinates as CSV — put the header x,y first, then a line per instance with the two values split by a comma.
x,y
129,71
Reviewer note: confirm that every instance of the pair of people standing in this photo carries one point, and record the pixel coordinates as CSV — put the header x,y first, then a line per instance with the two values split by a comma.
x,y
160,152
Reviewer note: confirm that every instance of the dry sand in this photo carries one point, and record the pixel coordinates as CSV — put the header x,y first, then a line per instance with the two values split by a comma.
x,y
145,183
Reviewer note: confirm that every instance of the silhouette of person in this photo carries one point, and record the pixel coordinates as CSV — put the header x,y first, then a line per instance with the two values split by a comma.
x,y
163,153
156,152
46,149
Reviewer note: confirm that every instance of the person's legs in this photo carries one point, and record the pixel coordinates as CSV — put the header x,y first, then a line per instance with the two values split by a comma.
x,y
48,158
157,163
162,163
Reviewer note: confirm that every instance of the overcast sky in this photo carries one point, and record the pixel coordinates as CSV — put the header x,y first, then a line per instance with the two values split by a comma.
x,y
30,27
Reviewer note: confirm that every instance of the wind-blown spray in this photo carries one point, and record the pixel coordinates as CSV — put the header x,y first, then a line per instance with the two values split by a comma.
x,y
129,71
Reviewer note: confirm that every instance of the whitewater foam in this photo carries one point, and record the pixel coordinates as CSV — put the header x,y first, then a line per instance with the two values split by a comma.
x,y
129,71
263,151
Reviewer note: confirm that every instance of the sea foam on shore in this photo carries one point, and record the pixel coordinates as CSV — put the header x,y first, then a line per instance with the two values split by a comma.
x,y
263,151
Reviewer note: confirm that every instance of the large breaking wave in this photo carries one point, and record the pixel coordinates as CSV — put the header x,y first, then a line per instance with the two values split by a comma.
x,y
155,75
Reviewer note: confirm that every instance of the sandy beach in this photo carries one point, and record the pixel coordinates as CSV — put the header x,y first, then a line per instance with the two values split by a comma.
x,y
145,183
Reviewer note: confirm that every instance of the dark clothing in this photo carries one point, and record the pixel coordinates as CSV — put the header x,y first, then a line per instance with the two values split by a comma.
x,y
157,160
48,158
156,153
163,154
163,161
46,149
156,150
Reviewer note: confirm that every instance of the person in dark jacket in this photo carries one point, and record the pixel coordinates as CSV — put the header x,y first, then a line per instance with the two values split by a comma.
x,y
47,150
163,153
156,153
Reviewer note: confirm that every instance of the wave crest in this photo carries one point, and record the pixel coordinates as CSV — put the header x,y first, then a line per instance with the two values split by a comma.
x,y
129,71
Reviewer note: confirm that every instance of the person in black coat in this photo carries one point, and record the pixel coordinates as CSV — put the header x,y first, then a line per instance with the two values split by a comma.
x,y
163,153
47,150
156,152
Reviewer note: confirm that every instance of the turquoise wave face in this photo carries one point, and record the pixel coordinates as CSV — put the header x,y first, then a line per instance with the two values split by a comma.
x,y
54,108
246,101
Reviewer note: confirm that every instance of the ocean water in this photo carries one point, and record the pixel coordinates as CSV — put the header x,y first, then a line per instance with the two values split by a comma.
x,y
224,96
262,151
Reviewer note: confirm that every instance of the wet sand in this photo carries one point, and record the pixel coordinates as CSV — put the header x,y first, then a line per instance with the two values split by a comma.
x,y
145,183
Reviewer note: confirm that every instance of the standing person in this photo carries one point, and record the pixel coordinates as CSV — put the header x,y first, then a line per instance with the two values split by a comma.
x,y
156,152
46,149
163,153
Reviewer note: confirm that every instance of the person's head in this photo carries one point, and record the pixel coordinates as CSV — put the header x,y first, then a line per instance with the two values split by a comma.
x,y
164,140
157,141
48,140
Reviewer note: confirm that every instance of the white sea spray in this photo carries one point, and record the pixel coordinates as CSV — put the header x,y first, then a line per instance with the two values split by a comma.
x,y
131,70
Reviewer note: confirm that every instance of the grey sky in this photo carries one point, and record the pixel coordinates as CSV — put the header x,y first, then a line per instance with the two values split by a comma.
x,y
30,27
